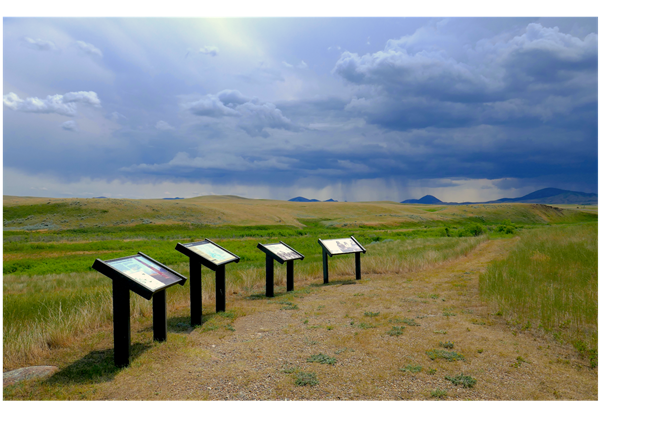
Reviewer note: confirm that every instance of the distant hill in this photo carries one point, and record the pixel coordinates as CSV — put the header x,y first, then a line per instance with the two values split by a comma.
x,y
545,196
553,196
427,199
303,199
174,198
332,200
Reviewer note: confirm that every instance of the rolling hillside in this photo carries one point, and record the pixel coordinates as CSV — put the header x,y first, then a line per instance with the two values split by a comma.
x,y
31,213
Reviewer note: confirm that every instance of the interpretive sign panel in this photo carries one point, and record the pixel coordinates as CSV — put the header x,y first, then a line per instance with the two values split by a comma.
x,y
342,246
144,271
211,252
333,247
149,279
281,251
214,257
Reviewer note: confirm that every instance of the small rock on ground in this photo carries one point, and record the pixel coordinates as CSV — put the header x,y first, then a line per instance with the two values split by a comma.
x,y
14,376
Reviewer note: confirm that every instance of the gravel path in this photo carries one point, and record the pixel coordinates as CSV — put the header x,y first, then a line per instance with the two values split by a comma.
x,y
270,347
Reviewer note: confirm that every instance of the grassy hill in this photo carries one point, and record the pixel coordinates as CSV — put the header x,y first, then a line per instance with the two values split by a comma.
x,y
33,213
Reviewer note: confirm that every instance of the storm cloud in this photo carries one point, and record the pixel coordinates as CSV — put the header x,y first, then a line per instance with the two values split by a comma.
x,y
455,108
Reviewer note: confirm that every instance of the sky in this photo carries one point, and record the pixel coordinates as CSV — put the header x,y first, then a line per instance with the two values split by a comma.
x,y
356,109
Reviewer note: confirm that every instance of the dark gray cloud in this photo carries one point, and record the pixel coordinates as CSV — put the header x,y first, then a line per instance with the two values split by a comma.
x,y
414,82
502,103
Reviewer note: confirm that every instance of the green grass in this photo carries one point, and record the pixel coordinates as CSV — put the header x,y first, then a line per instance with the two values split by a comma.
x,y
303,378
409,322
439,393
74,250
44,310
51,294
550,281
465,381
396,331
411,368
445,354
321,358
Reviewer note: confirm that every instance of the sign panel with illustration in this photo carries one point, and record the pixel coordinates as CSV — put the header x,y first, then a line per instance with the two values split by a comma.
x,y
144,271
282,251
211,252
342,246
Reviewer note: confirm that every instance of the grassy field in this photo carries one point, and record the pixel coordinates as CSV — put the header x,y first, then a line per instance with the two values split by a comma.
x,y
54,301
550,281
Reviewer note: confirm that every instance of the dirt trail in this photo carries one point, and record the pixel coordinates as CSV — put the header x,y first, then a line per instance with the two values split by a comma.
x,y
260,359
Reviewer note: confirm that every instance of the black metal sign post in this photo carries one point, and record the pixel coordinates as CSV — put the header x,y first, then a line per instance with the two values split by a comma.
x,y
215,258
282,253
326,275
335,247
149,279
121,324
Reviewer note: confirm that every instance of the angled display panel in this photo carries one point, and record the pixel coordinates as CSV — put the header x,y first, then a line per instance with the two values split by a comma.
x,y
342,246
145,272
214,257
211,252
283,251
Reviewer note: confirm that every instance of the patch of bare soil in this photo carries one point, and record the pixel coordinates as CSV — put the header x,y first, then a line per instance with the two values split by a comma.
x,y
262,358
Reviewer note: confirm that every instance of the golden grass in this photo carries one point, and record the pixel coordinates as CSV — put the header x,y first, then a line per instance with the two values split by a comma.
x,y
231,210
26,341
254,360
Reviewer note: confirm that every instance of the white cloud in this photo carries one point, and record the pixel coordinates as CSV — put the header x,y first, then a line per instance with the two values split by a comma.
x,y
209,51
210,106
164,126
64,105
40,45
89,49
253,115
70,125
288,65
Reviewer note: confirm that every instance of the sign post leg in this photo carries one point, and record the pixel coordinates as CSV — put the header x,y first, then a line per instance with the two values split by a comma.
x,y
121,324
196,297
357,264
326,277
269,276
220,284
290,276
160,316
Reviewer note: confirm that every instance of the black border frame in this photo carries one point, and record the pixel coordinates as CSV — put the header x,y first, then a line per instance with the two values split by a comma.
x,y
184,249
282,261
106,269
320,241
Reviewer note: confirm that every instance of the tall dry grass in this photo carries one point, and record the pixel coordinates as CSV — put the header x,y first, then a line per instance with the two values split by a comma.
x,y
45,312
550,281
